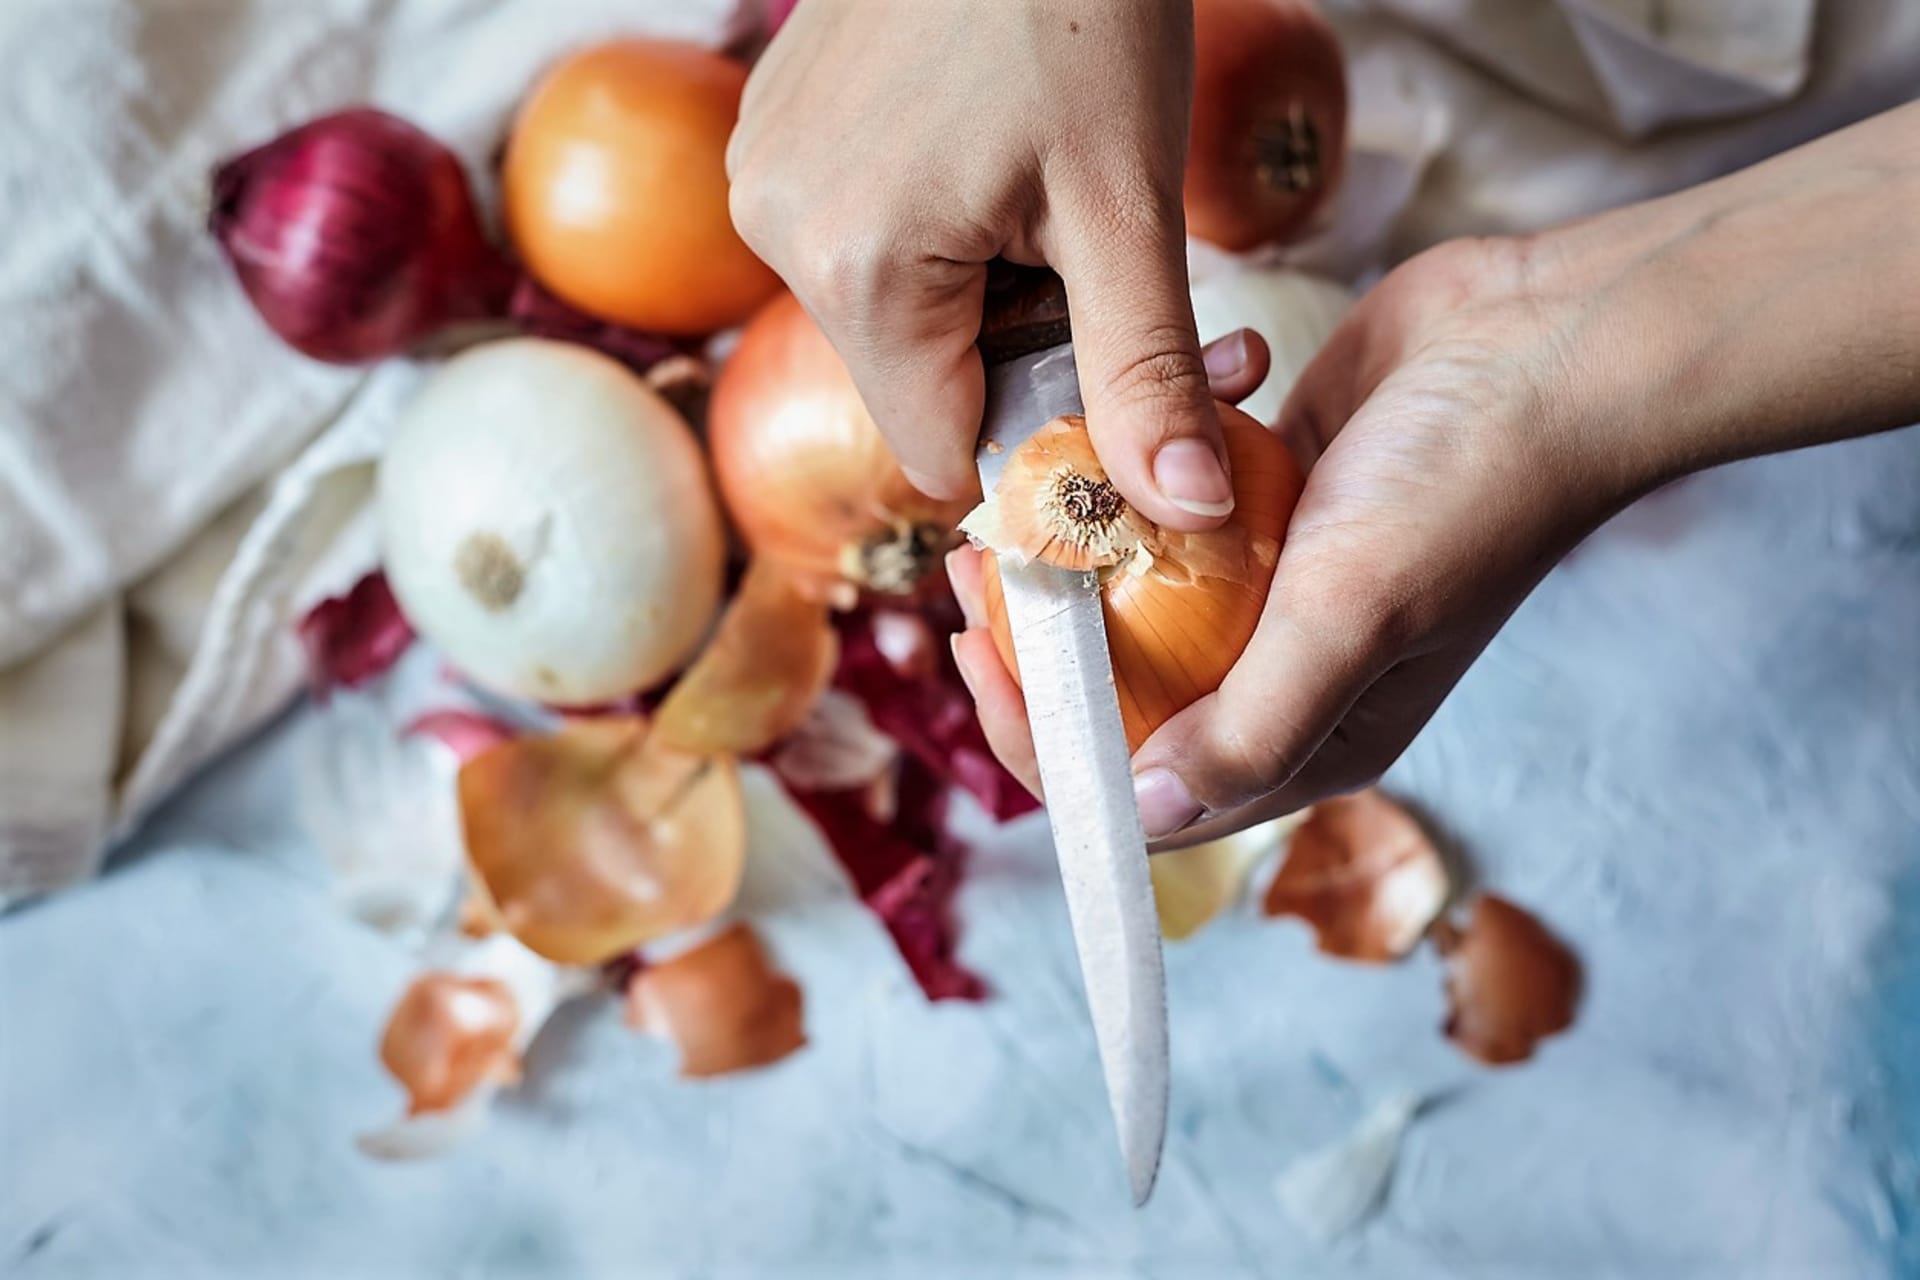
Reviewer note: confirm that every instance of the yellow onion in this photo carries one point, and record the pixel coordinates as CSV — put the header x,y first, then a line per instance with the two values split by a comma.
x,y
600,838
1180,607
804,470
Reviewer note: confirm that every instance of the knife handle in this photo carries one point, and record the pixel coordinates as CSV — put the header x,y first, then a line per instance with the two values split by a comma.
x,y
1025,312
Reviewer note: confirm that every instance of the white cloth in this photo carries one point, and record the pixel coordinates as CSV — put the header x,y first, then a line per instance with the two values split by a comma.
x,y
175,487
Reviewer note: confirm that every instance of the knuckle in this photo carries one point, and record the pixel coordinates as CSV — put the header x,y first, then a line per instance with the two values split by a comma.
x,y
1164,368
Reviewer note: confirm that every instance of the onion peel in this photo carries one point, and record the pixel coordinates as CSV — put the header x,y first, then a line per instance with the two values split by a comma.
x,y
767,664
1510,982
448,1035
1191,886
1363,875
352,639
599,838
722,1002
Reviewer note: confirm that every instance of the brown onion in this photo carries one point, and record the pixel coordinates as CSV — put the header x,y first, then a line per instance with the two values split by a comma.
x,y
804,470
1268,140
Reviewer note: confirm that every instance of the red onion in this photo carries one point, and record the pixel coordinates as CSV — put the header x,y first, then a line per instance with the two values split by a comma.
x,y
355,236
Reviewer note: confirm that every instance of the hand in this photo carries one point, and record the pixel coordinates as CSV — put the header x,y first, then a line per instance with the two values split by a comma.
x,y
887,151
1439,493
1489,404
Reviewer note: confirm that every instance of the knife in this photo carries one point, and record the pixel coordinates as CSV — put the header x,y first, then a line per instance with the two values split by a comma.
x,y
1060,638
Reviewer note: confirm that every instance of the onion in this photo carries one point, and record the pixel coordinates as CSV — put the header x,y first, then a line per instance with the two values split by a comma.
x,y
1293,311
355,237
549,524
804,470
1179,607
1268,138
616,188
599,838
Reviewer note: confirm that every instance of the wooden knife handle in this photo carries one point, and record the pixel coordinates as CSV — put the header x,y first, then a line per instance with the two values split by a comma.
x,y
1025,311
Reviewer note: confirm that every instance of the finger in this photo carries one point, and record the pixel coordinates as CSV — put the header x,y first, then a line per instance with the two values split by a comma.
x,y
1003,712
1340,377
1315,652
1237,363
966,571
1149,408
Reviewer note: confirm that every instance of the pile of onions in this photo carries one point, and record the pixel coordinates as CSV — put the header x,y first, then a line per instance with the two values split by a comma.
x,y
804,470
548,523
355,237
616,188
1268,139
1179,607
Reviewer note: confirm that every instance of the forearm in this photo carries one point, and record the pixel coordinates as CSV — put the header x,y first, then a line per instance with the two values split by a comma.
x,y
1774,308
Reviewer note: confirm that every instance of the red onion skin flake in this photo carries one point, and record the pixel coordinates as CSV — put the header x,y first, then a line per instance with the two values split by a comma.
x,y
352,639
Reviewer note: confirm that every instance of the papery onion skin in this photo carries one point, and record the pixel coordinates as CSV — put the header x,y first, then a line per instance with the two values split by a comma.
x,y
355,237
1364,875
595,840
804,471
449,1034
770,659
1173,638
616,188
1268,139
722,1002
549,525
1510,982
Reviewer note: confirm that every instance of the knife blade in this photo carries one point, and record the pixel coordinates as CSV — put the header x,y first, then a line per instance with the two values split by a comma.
x,y
1060,639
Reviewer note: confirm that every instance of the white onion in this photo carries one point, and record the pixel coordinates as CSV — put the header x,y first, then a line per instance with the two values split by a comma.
x,y
1293,311
549,523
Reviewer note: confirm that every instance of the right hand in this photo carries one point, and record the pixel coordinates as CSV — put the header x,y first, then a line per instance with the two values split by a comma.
x,y
887,150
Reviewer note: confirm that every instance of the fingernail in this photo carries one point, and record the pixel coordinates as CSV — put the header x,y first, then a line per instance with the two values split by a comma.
x,y
972,608
1166,806
966,677
1226,356
1190,476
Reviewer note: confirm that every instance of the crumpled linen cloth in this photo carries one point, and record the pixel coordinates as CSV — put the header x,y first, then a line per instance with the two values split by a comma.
x,y
176,487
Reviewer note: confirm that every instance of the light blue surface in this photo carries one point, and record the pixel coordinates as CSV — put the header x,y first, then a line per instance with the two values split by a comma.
x,y
1695,752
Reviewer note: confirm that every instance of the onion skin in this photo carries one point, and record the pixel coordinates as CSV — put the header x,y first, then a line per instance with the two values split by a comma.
x,y
355,237
1267,145
598,839
804,471
616,188
1174,637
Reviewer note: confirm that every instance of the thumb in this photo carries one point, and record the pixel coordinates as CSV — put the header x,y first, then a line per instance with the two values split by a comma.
x,y
1149,411
1312,656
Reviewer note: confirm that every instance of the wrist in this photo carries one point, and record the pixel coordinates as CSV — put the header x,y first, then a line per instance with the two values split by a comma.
x,y
1776,308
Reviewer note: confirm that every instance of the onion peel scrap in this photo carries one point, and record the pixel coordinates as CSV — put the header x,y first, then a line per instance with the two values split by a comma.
x,y
599,838
448,1035
1364,877
1191,886
352,639
465,733
722,1002
772,656
906,866
1510,982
